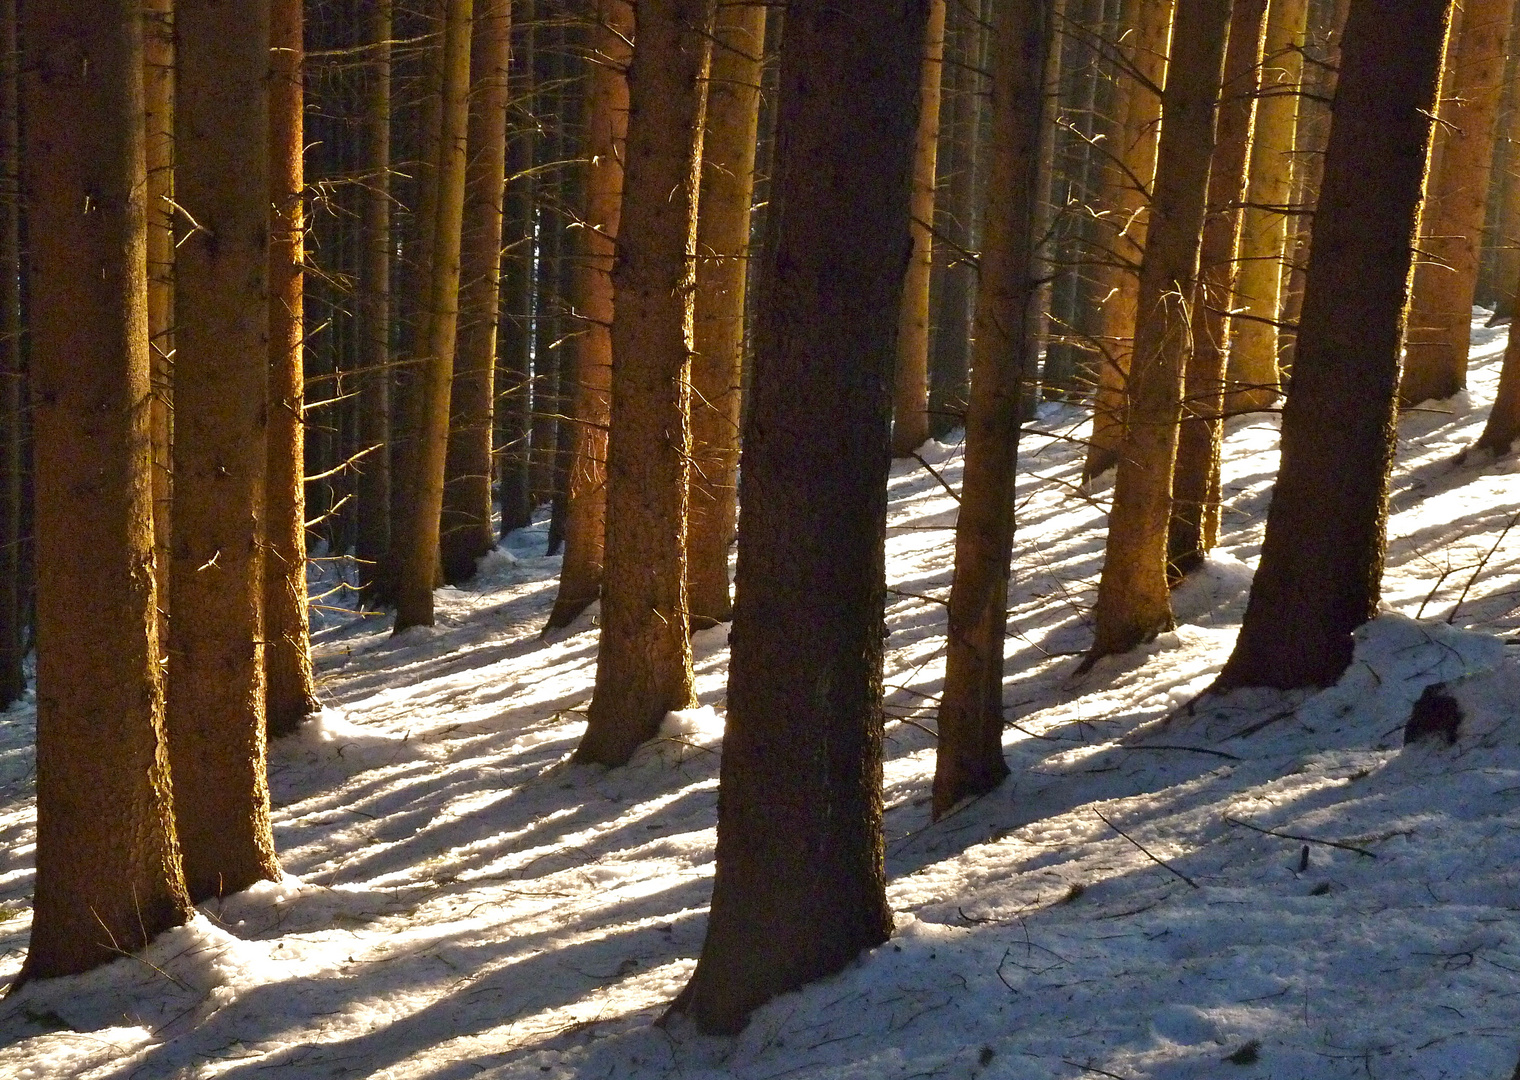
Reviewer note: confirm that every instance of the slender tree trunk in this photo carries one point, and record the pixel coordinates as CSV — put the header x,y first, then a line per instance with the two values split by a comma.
x,y
1195,486
158,90
910,416
800,887
419,567
1503,426
1322,557
290,691
1506,257
1133,604
643,664
374,306
1440,317
467,531
514,371
970,754
108,876
12,370
1139,108
728,173
590,358
1254,382
216,648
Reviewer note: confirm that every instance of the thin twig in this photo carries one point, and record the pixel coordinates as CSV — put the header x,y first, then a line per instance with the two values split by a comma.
x,y
1301,839
1169,869
942,481
1481,564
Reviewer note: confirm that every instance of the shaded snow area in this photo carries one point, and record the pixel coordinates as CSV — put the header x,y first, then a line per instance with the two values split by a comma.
x,y
1267,885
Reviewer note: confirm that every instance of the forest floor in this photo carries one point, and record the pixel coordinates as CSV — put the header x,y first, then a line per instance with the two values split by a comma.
x,y
1270,887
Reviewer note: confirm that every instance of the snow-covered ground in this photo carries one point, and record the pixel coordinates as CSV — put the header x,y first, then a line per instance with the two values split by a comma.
x,y
1271,887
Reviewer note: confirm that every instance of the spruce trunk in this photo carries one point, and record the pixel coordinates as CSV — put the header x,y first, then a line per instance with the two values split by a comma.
x,y
728,174
107,877
1322,557
969,760
158,93
643,664
514,356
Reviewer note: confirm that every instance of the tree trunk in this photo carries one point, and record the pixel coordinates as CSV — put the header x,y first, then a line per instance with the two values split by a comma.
x,y
1440,318
1322,557
910,416
374,307
590,358
1254,382
158,90
419,567
1195,485
514,370
643,664
108,876
1139,110
728,173
216,648
1503,426
970,754
290,691
1133,604
12,368
800,886
467,531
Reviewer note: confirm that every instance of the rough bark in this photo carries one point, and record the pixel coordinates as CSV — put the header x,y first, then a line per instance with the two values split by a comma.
x,y
419,567
1195,485
290,692
1503,426
216,650
1322,557
643,663
467,530
969,760
910,415
1133,603
800,885
728,173
514,370
1139,110
107,877
374,306
158,95
1254,382
1438,335
13,617
591,300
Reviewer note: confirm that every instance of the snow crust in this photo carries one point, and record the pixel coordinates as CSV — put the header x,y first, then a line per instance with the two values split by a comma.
x,y
1172,887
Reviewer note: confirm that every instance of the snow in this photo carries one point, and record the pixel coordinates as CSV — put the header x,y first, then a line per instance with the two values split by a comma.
x,y
1256,885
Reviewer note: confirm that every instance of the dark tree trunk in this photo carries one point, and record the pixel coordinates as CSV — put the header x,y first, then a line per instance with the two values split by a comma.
x,y
1322,558
800,886
970,754
12,371
108,875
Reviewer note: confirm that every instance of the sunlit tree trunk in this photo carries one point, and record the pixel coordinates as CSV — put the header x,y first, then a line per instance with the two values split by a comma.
x,y
1322,557
1265,235
969,760
728,173
1195,485
643,662
1440,317
800,888
419,567
910,416
290,690
590,350
158,94
216,648
1133,603
107,877
467,531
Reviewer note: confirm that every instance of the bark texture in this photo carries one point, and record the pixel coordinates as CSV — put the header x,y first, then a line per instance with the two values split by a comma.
x,y
1133,602
800,885
1440,307
221,376
108,875
1322,557
728,175
158,115
643,663
291,693
514,355
969,760
467,531
591,298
